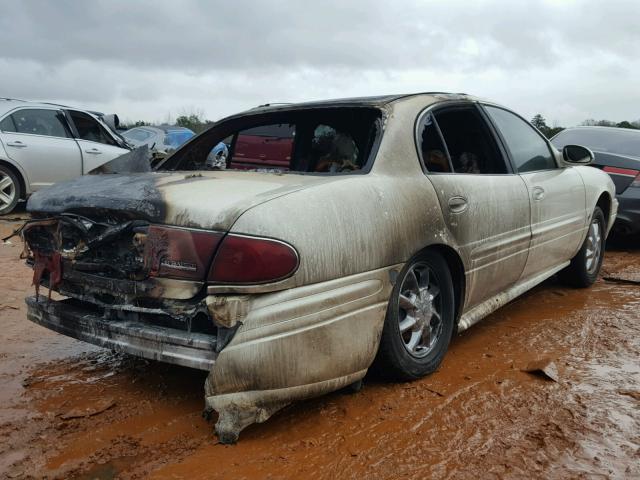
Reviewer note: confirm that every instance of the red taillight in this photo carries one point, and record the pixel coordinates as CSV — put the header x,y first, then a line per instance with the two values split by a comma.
x,y
178,252
636,182
242,259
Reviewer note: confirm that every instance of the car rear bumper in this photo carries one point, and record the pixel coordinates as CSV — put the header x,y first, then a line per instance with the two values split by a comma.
x,y
628,220
68,317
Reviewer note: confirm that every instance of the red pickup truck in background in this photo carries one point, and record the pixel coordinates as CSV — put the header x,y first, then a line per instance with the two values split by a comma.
x,y
269,146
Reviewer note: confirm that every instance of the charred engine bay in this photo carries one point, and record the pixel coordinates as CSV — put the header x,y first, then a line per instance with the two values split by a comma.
x,y
108,263
110,247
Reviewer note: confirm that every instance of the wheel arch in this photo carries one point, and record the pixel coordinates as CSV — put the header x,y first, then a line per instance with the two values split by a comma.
x,y
18,174
604,202
456,268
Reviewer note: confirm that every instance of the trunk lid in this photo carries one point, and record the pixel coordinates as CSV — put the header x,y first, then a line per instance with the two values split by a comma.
x,y
206,200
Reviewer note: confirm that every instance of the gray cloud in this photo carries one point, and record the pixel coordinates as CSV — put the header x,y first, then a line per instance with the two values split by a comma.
x,y
568,59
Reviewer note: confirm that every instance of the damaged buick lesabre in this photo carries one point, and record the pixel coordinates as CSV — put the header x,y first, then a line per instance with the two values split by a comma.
x,y
335,236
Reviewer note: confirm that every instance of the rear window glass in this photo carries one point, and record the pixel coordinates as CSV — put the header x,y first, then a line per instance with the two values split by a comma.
x,y
330,141
601,139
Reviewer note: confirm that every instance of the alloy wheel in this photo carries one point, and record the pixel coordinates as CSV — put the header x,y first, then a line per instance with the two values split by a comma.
x,y
7,190
594,246
419,316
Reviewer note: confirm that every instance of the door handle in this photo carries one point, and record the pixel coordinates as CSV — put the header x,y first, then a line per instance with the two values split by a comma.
x,y
538,193
458,204
93,151
17,144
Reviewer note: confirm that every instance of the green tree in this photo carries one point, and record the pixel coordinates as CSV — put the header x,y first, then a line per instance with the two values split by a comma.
x,y
539,122
626,124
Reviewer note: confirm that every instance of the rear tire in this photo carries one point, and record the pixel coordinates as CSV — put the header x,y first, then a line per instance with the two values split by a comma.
x,y
9,190
583,270
419,322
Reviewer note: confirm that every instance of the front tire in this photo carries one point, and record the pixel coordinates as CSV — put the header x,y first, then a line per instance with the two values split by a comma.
x,y
583,270
419,322
9,190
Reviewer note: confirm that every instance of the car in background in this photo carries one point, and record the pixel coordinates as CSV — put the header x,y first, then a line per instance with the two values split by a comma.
x,y
44,143
162,138
617,152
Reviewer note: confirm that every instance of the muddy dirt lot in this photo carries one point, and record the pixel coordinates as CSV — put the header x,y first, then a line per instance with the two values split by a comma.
x,y
69,410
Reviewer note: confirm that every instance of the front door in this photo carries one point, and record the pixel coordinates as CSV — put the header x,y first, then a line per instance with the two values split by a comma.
x,y
96,144
557,195
485,205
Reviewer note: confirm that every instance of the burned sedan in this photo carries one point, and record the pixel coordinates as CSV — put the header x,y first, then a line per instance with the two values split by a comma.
x,y
383,226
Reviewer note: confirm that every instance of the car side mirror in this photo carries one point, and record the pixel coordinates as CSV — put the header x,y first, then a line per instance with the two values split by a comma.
x,y
577,154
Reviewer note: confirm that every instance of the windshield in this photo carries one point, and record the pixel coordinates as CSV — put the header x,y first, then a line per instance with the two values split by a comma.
x,y
601,139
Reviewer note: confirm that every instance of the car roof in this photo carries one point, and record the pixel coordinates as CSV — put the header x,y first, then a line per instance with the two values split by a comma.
x,y
374,101
8,104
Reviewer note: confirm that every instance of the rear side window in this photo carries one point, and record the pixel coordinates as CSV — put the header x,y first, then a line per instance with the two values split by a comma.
x,y
34,121
528,149
434,153
457,140
89,128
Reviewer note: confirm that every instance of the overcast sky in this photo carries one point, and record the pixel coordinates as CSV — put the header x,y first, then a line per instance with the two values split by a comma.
x,y
569,60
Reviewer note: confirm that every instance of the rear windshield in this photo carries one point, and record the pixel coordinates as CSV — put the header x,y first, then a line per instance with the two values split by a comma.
x,y
329,140
603,139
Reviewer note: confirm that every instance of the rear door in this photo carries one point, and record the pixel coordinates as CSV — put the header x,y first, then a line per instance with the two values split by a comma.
x,y
40,141
485,205
96,144
557,195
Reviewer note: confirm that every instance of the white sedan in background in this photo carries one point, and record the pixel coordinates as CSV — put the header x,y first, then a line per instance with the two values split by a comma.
x,y
43,143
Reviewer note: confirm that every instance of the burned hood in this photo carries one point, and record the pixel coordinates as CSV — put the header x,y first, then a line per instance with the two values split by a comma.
x,y
208,200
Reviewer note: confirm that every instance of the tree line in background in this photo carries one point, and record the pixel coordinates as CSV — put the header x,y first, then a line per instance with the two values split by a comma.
x,y
540,123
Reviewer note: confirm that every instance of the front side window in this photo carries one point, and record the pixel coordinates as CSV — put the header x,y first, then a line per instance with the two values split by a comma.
x,y
89,128
529,151
7,125
35,121
457,140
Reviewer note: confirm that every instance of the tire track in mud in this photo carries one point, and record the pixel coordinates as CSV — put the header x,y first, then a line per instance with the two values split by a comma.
x,y
479,416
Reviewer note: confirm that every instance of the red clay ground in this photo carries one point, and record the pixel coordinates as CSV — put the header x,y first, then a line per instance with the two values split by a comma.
x,y
69,410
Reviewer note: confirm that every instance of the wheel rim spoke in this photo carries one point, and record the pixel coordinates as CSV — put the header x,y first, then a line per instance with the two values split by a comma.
x,y
5,182
414,341
5,199
407,302
407,324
